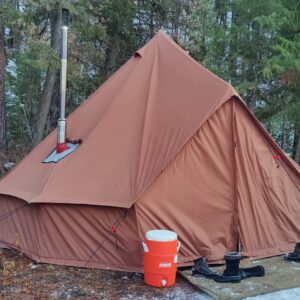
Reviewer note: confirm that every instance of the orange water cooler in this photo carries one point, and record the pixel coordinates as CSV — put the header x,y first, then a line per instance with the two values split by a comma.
x,y
160,258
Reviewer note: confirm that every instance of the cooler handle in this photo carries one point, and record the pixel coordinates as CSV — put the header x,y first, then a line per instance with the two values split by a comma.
x,y
178,246
145,247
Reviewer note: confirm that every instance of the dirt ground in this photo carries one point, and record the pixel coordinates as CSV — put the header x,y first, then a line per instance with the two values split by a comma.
x,y
21,278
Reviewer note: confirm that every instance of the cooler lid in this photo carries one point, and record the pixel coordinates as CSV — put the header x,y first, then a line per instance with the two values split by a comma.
x,y
161,235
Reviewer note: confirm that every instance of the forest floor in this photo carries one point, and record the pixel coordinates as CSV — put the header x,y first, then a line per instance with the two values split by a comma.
x,y
21,278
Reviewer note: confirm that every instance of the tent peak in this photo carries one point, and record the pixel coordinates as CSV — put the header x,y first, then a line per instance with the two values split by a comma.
x,y
159,36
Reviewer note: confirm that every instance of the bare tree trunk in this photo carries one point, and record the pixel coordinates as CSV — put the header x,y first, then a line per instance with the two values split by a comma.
x,y
3,137
151,24
54,106
232,64
45,101
177,22
296,145
202,46
111,57
297,153
284,133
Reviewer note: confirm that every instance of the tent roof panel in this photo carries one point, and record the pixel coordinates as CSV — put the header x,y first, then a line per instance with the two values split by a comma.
x,y
132,127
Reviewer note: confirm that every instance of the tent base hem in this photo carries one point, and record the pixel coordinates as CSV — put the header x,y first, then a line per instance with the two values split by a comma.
x,y
269,252
187,261
71,262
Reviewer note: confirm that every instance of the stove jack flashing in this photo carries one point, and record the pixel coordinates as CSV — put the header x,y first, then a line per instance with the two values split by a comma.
x,y
64,146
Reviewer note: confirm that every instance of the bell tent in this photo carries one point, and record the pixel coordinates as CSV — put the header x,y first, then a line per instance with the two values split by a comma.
x,y
166,144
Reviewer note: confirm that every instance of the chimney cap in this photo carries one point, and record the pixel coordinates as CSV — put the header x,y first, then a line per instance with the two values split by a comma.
x,y
65,16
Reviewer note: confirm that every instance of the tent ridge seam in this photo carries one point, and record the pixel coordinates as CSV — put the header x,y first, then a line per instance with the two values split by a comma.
x,y
219,103
145,118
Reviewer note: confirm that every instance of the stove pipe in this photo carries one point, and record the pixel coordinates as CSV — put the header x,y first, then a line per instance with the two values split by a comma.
x,y
61,124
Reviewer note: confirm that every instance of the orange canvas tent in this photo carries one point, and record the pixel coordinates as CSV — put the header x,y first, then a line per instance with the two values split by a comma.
x,y
166,145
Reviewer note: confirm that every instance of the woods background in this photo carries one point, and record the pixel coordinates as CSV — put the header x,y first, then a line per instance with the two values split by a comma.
x,y
255,45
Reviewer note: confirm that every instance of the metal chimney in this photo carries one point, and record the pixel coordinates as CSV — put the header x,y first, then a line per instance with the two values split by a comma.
x,y
64,146
61,124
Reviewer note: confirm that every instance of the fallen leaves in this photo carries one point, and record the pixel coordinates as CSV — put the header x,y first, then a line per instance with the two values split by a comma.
x,y
21,278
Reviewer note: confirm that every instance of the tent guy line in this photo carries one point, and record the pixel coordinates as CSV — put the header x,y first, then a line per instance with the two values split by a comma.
x,y
12,212
113,231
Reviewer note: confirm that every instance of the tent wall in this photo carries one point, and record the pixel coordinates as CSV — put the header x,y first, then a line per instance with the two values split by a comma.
x,y
223,188
68,234
268,197
19,226
225,191
194,194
